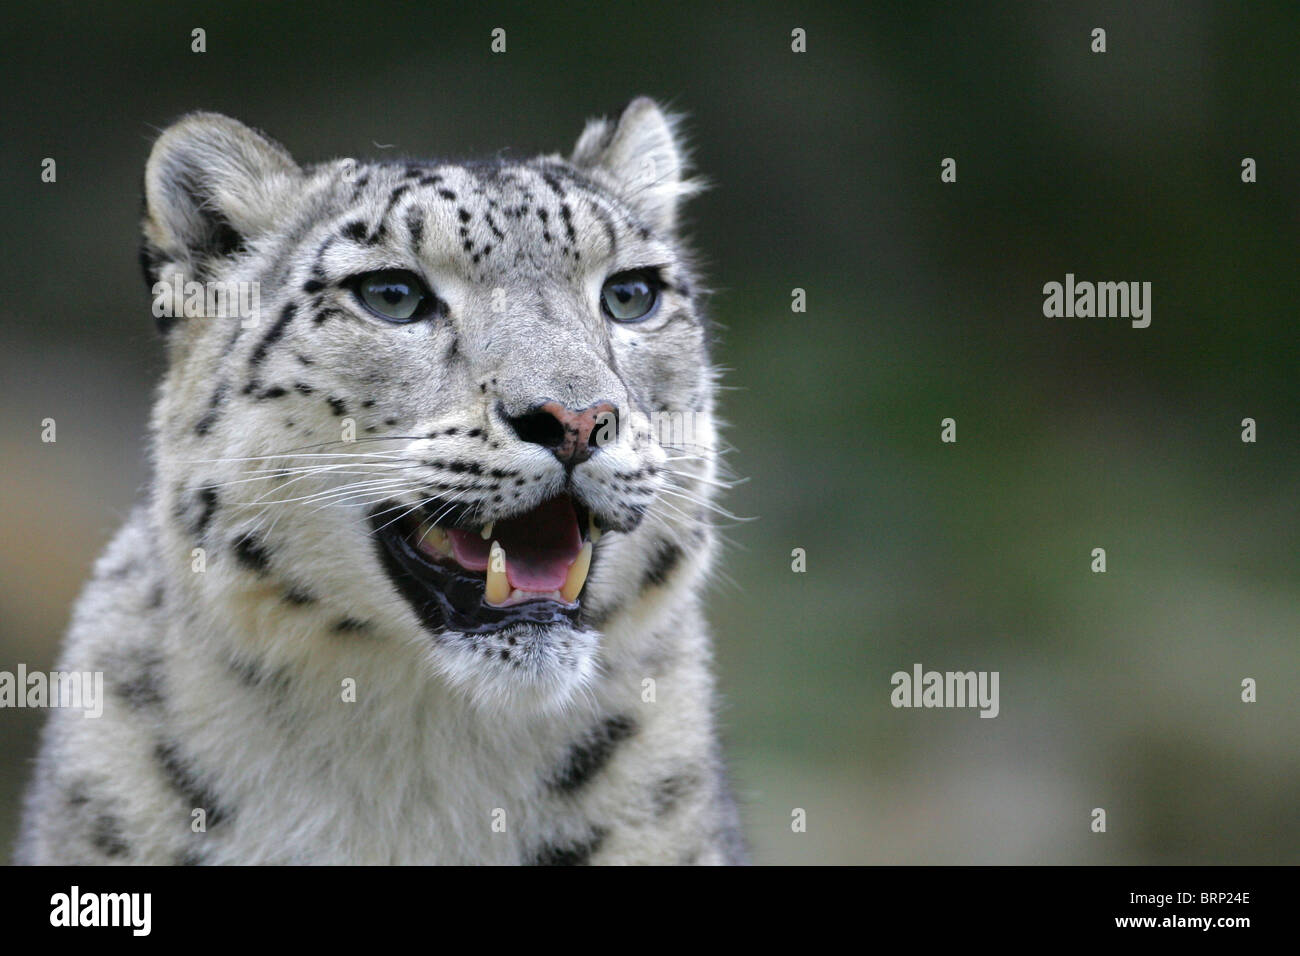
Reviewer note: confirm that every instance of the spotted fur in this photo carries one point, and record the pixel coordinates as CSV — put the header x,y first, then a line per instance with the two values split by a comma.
x,y
244,602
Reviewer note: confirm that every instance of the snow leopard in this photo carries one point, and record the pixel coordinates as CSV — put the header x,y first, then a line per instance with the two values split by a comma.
x,y
419,573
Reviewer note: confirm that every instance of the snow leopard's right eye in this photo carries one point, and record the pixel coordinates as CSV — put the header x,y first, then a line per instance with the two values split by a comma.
x,y
395,295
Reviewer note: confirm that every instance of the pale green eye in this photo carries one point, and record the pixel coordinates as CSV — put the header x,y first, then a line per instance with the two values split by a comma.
x,y
396,295
630,296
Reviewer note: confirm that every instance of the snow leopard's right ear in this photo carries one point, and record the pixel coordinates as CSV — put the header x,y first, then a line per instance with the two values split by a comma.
x,y
645,158
210,185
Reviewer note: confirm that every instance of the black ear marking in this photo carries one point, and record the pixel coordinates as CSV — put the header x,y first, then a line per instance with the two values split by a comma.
x,y
218,237
211,234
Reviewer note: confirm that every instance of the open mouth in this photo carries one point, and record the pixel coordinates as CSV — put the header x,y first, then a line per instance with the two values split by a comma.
x,y
529,568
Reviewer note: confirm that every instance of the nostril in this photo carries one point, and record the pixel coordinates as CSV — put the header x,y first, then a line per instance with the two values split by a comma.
x,y
572,435
539,428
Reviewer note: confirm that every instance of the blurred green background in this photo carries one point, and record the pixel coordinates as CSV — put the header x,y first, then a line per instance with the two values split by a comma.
x,y
924,301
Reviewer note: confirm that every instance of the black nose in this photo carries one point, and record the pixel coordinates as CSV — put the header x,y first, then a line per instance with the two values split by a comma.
x,y
572,435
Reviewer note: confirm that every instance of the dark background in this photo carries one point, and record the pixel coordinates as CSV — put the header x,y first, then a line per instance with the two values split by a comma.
x,y
924,301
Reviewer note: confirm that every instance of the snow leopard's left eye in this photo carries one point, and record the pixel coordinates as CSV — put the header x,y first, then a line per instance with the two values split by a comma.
x,y
630,296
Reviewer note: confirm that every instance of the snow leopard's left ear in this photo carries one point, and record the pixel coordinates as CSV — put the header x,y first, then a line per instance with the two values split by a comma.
x,y
643,157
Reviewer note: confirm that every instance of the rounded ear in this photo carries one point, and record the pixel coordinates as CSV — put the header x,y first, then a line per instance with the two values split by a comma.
x,y
642,157
211,184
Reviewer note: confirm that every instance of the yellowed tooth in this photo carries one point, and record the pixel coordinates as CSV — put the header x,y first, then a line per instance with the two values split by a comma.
x,y
497,588
577,575
593,533
430,534
487,530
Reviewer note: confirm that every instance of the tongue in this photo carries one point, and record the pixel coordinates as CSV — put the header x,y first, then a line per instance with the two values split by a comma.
x,y
540,546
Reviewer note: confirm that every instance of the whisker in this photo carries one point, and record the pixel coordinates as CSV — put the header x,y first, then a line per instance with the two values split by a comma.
x,y
318,495
708,505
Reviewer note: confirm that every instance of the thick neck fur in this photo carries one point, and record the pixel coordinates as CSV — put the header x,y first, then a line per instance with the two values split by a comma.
x,y
329,745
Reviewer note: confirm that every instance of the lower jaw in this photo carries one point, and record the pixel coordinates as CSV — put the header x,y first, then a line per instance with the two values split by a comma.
x,y
445,598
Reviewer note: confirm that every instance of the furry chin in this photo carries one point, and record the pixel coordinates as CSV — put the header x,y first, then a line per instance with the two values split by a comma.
x,y
556,665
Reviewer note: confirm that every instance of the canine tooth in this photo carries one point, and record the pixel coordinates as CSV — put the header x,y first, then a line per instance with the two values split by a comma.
x,y
497,588
487,530
593,533
577,574
436,537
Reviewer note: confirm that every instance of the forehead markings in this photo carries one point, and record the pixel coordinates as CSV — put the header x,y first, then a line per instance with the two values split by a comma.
x,y
617,206
566,185
357,231
604,211
393,198
415,228
316,268
610,211
500,189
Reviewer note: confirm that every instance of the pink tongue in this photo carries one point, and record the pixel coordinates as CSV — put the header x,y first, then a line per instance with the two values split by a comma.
x,y
540,546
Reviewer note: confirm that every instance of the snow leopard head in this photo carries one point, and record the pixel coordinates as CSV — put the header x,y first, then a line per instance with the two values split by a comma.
x,y
465,405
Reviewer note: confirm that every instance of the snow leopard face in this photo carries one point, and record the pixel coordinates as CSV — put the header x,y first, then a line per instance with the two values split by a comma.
x,y
467,405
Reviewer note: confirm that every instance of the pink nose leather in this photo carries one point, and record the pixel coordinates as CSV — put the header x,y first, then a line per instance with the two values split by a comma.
x,y
578,427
